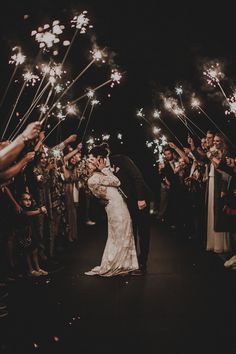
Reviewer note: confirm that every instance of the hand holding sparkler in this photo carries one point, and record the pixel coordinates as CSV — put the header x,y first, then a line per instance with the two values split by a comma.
x,y
70,139
172,145
31,131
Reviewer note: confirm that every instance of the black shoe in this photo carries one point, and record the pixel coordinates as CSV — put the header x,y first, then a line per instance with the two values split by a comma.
x,y
138,272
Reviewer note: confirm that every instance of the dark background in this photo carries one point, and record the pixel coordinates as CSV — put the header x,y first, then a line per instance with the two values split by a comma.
x,y
157,44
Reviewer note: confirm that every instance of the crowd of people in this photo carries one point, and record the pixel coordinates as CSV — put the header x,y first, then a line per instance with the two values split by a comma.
x,y
198,192
40,189
39,195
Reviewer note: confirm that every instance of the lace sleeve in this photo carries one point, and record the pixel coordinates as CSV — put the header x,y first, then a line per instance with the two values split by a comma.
x,y
109,179
98,183
95,186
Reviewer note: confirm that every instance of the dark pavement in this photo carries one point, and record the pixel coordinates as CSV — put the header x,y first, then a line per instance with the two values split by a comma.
x,y
186,303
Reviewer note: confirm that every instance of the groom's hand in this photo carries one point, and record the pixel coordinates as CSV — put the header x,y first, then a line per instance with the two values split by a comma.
x,y
142,204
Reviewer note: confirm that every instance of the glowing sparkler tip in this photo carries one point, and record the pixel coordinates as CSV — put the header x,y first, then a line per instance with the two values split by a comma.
x,y
81,22
94,102
156,114
179,90
116,76
97,54
90,93
156,130
195,103
17,58
140,113
72,109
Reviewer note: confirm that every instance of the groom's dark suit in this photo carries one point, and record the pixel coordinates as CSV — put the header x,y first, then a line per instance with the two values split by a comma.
x,y
135,188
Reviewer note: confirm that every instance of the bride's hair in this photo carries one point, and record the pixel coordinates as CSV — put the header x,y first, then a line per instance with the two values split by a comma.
x,y
100,150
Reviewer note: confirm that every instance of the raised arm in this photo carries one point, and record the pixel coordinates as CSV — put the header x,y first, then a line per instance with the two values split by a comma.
x,y
11,151
180,152
72,153
16,168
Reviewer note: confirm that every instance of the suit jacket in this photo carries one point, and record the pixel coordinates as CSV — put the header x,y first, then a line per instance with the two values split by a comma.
x,y
132,182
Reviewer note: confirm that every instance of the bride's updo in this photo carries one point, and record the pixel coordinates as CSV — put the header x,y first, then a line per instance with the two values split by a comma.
x,y
100,150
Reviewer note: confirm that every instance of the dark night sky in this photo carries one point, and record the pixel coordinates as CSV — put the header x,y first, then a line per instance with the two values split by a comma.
x,y
158,44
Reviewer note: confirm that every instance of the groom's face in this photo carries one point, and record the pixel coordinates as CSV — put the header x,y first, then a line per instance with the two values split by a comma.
x,y
92,159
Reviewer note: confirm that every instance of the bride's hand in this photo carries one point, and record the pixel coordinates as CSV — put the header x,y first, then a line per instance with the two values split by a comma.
x,y
101,164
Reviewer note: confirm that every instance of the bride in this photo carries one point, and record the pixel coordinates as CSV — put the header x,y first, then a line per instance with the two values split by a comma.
x,y
119,256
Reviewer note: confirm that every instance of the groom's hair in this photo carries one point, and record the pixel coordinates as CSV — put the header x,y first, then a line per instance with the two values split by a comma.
x,y
100,150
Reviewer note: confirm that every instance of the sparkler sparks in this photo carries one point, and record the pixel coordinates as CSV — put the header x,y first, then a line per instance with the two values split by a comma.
x,y
94,102
195,103
179,90
48,35
171,105
30,78
17,58
140,113
232,105
72,110
90,93
156,130
115,77
213,73
156,114
81,22
97,55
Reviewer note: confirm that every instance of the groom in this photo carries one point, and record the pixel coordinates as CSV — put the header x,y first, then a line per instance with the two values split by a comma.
x,y
137,195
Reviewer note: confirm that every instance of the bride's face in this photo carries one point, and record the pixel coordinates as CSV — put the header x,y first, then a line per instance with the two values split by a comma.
x,y
91,165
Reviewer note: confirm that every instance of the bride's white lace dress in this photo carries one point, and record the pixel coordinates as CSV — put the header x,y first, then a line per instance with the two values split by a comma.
x,y
119,256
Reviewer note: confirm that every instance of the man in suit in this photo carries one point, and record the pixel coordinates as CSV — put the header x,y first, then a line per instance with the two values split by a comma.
x,y
137,195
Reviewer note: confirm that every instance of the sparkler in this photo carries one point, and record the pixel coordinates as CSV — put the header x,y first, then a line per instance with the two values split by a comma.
x,y
214,74
29,78
82,116
172,106
93,104
97,55
80,22
179,91
196,104
97,88
13,109
157,114
61,118
28,112
17,59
